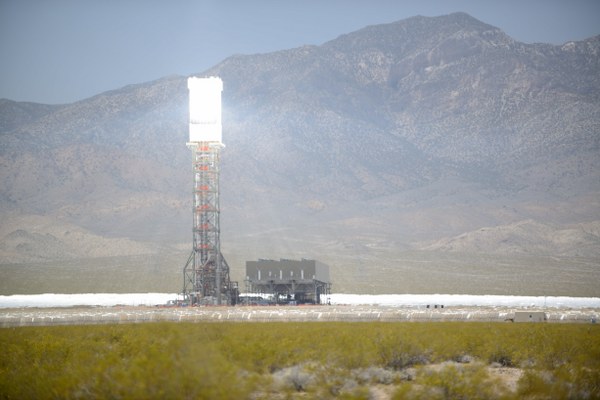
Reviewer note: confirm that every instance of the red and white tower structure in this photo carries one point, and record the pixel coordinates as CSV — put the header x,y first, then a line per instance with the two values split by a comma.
x,y
206,273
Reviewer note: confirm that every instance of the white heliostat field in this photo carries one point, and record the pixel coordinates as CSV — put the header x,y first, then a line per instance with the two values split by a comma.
x,y
388,300
205,109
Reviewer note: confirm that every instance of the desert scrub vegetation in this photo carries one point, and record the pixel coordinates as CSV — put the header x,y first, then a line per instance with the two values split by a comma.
x,y
445,360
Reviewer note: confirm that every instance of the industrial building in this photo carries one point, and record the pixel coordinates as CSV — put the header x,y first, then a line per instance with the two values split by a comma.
x,y
289,281
530,316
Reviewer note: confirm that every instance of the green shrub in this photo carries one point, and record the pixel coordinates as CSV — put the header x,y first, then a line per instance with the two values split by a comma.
x,y
318,360
562,383
453,381
399,354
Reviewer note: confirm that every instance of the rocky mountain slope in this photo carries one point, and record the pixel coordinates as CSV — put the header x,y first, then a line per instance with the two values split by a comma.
x,y
412,135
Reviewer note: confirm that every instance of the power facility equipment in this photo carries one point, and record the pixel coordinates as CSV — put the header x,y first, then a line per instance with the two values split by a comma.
x,y
530,316
289,281
206,273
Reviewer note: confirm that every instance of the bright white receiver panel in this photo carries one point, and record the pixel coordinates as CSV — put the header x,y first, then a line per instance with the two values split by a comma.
x,y
205,109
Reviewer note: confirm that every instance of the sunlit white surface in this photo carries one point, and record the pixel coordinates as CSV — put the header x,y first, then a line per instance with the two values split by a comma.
x,y
205,109
390,300
85,299
465,300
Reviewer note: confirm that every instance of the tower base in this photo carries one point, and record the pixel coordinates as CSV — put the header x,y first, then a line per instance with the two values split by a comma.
x,y
200,287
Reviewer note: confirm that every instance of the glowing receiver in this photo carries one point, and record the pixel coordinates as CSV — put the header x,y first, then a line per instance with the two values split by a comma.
x,y
205,109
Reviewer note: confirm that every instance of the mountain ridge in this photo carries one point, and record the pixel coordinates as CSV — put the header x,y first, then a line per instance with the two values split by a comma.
x,y
400,135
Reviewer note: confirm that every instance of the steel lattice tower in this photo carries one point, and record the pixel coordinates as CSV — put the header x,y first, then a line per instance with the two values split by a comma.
x,y
206,274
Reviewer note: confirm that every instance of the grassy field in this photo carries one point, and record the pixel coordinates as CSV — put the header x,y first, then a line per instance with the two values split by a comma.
x,y
378,272
146,273
302,360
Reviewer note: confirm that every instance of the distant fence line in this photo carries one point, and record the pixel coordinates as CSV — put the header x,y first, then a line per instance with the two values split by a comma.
x,y
121,315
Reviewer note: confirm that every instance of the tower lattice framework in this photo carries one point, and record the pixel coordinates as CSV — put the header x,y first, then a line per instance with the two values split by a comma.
x,y
206,273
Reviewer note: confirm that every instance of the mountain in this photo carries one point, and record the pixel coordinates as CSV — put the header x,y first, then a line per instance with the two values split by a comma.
x,y
413,135
526,237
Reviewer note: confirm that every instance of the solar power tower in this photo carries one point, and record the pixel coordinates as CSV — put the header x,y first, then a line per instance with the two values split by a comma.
x,y
206,273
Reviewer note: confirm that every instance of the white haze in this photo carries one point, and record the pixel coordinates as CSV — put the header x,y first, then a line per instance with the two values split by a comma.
x,y
391,300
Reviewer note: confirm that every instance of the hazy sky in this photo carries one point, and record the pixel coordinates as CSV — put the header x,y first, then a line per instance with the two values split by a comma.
x,y
59,51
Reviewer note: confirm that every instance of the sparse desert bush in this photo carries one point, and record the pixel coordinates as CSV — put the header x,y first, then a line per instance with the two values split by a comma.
x,y
402,353
298,378
566,382
318,360
453,381
375,375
